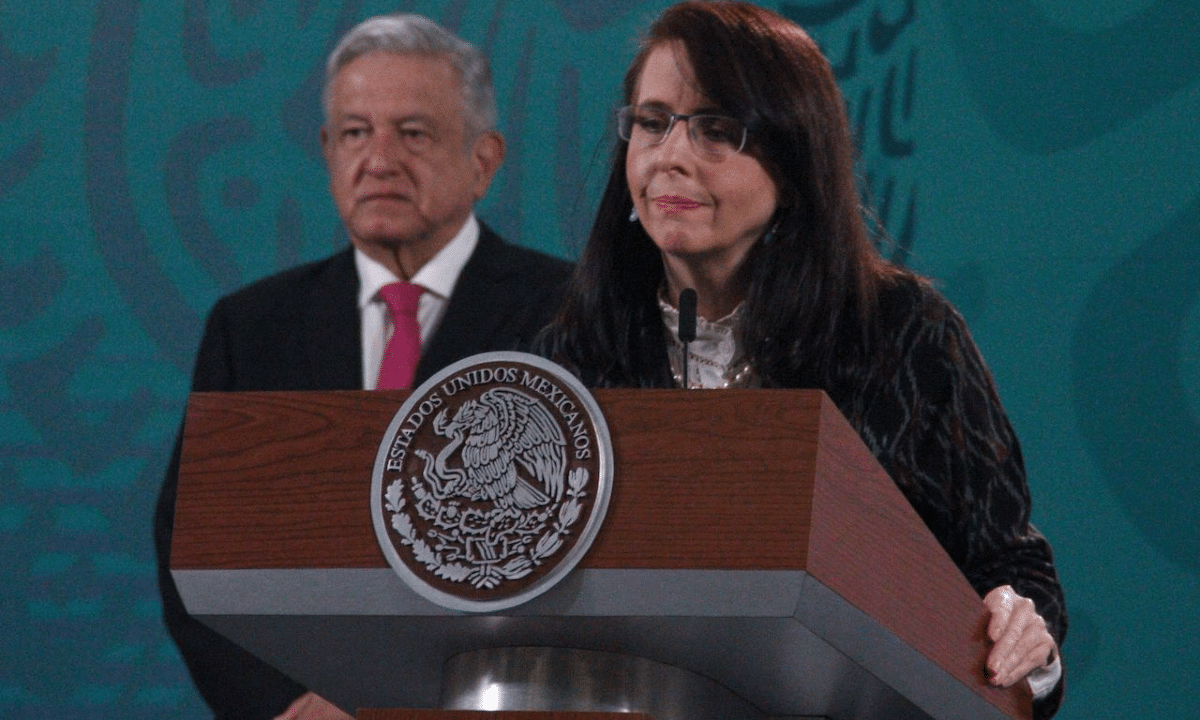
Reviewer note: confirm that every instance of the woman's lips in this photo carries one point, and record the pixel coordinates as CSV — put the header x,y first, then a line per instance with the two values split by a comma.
x,y
675,203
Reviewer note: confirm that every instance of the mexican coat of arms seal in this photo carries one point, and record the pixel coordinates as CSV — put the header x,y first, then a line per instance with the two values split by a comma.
x,y
491,481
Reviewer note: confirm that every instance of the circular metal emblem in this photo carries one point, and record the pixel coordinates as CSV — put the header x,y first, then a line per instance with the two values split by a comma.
x,y
491,481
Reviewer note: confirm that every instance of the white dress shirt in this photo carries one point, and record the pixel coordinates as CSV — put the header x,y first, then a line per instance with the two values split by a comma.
x,y
438,277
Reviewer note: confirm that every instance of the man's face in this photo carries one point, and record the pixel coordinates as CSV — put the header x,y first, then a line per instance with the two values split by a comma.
x,y
403,170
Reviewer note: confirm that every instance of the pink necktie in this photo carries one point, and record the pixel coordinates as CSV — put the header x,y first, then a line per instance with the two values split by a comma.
x,y
403,351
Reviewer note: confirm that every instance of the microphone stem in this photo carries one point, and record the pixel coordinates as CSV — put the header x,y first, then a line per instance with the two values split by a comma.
x,y
687,327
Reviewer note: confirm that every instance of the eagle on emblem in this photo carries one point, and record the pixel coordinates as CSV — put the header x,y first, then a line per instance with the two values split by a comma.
x,y
512,452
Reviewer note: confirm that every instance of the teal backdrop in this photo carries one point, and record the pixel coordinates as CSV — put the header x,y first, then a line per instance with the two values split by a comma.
x,y
1039,158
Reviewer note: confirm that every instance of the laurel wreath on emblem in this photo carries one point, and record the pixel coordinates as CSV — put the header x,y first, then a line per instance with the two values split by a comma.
x,y
501,510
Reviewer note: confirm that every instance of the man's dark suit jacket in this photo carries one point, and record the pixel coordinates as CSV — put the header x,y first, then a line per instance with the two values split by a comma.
x,y
300,330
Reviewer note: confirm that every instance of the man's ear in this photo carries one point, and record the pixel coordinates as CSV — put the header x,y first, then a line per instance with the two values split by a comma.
x,y
488,154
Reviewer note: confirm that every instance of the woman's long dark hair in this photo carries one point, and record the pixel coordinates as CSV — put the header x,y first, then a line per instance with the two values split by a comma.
x,y
813,287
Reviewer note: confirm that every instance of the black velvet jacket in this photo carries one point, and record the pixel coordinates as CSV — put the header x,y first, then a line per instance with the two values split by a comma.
x,y
926,405
300,330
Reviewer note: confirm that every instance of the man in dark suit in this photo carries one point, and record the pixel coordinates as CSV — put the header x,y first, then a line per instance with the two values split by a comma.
x,y
410,144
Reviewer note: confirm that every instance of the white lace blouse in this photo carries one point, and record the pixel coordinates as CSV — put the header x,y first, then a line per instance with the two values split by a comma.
x,y
715,359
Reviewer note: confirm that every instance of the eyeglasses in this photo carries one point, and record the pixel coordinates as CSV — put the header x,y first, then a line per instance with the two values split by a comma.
x,y
713,135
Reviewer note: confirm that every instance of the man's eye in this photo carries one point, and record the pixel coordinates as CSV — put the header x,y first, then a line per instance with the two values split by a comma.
x,y
354,133
416,138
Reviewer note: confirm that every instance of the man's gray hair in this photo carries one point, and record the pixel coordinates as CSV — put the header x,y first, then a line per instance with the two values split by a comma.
x,y
406,34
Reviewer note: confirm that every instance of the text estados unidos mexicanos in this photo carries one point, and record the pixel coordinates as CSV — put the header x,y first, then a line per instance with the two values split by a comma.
x,y
572,416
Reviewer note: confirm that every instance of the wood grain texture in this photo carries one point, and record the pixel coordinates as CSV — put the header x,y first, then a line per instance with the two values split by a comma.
x,y
282,480
279,480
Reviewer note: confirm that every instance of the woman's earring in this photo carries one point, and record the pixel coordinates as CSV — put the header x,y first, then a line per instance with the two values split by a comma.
x,y
769,236
633,216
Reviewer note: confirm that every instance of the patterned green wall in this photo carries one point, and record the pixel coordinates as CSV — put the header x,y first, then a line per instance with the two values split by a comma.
x,y
1040,158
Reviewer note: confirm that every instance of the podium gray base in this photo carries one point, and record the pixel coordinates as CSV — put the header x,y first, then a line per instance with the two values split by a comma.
x,y
549,678
825,658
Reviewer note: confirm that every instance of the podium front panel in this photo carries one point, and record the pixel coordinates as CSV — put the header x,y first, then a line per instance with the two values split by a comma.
x,y
750,538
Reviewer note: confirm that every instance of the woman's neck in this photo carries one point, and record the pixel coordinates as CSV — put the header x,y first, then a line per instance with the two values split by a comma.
x,y
716,296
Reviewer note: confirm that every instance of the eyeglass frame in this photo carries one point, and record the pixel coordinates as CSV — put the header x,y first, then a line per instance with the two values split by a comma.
x,y
627,111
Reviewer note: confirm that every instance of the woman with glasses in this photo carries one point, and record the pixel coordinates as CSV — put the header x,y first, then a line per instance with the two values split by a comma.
x,y
734,176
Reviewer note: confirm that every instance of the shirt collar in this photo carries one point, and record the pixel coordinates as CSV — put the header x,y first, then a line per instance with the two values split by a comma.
x,y
438,276
715,336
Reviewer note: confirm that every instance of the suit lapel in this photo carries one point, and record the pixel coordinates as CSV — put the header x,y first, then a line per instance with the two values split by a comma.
x,y
333,344
479,301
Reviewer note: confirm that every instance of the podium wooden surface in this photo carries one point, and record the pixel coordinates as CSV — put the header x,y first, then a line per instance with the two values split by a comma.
x,y
750,538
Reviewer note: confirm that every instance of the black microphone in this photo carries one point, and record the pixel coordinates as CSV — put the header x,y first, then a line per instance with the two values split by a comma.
x,y
687,325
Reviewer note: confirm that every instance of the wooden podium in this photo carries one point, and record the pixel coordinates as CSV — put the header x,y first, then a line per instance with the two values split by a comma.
x,y
751,539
